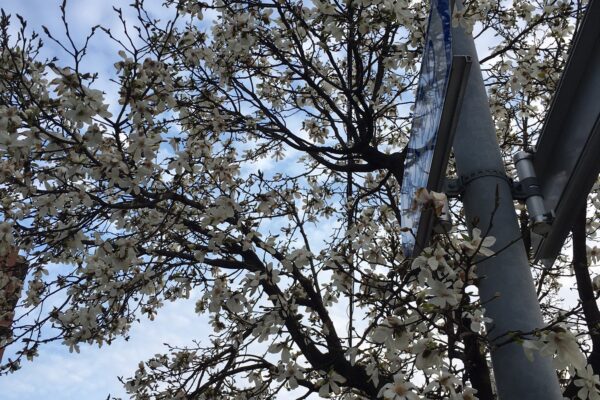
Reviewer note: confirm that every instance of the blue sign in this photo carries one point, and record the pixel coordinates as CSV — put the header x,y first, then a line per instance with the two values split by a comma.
x,y
429,103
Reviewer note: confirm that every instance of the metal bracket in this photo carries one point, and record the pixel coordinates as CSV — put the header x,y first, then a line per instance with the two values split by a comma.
x,y
529,190
526,188
454,188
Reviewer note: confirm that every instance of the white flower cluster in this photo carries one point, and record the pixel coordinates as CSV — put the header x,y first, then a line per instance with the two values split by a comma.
x,y
560,343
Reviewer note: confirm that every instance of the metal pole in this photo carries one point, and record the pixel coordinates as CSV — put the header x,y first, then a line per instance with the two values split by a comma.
x,y
507,286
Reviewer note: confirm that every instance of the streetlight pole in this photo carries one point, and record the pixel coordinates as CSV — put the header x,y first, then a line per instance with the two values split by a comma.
x,y
507,286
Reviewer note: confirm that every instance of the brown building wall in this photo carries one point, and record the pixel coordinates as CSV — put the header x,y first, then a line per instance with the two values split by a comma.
x,y
13,267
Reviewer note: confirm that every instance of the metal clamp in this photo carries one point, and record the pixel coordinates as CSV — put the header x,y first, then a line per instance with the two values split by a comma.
x,y
456,187
528,189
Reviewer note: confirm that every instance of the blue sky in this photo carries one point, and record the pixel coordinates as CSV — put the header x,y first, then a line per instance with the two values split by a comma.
x,y
92,374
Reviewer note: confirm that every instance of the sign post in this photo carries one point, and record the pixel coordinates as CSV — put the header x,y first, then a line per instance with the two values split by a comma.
x,y
566,163
505,284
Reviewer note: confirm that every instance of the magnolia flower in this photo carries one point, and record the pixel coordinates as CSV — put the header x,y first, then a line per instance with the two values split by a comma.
x,y
292,372
593,254
9,119
432,259
331,384
441,295
393,334
6,237
428,354
589,384
477,319
530,347
459,19
399,390
283,348
478,245
467,394
446,381
596,282
420,264
425,198
564,344
372,370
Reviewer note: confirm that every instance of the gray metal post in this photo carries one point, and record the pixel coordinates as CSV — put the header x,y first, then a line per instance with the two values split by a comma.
x,y
507,277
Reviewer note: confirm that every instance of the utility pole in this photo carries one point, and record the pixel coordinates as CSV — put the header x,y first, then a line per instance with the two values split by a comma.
x,y
507,286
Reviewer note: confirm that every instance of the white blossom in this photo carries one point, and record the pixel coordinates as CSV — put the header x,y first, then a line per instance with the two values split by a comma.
x,y
563,344
478,245
398,390
589,384
442,294
330,384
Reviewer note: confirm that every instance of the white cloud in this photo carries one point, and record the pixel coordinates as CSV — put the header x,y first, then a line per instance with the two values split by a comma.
x,y
92,374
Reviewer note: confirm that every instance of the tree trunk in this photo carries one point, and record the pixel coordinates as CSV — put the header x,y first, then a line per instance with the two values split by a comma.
x,y
585,288
586,295
477,368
